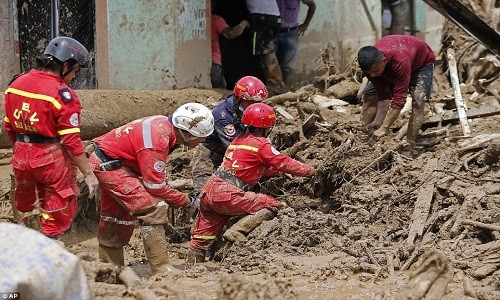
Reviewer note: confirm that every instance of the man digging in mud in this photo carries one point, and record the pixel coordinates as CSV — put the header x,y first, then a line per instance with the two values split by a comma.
x,y
227,193
129,163
395,65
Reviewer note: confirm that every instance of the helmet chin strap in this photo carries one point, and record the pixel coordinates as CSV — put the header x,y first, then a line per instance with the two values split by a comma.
x,y
64,74
267,131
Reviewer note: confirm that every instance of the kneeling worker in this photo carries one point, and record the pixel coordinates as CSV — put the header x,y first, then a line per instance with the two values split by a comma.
x,y
248,158
130,164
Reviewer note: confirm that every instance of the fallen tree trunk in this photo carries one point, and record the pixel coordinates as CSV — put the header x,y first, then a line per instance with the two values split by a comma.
x,y
104,110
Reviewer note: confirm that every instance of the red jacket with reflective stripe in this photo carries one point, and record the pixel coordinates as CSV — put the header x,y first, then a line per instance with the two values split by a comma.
x,y
250,158
41,103
144,145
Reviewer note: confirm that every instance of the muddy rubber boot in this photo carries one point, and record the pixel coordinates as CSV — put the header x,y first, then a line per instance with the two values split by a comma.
x,y
112,255
238,232
155,246
194,256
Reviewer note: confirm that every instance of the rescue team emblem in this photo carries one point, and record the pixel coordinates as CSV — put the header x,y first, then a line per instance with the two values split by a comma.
x,y
73,120
229,130
65,95
159,166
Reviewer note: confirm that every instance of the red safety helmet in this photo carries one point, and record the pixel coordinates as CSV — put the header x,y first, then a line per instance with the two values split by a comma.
x,y
250,88
259,115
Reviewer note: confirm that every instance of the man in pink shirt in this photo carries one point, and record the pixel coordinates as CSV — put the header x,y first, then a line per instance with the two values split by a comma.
x,y
219,26
395,65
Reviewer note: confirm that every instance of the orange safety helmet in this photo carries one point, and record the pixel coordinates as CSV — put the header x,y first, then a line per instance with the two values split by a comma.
x,y
250,88
259,115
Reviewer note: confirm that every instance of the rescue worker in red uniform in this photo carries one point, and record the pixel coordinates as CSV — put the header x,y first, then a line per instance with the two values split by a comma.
x,y
130,164
42,119
227,117
227,192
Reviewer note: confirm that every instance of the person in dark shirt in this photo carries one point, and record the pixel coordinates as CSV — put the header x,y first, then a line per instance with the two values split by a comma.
x,y
395,65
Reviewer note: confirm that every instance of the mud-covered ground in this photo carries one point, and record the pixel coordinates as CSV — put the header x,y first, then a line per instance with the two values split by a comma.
x,y
376,222
354,231
345,234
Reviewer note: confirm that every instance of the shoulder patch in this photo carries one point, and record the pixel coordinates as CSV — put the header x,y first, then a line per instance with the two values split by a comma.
x,y
74,120
159,166
65,95
229,130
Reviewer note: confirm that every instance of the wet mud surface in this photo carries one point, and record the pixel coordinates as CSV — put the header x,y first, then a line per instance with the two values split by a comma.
x,y
376,222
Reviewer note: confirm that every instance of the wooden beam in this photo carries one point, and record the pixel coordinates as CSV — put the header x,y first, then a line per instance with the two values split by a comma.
x,y
459,102
423,203
452,116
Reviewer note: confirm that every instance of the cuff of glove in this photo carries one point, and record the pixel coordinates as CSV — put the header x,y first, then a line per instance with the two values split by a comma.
x,y
193,200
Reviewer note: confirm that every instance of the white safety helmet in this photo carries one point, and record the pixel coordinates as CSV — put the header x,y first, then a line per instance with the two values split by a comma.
x,y
194,118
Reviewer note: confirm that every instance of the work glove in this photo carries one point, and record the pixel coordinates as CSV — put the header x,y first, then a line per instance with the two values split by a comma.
x,y
193,200
92,182
158,215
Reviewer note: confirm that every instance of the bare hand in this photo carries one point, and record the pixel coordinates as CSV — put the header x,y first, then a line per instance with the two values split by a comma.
x,y
301,29
379,133
244,23
369,128
92,183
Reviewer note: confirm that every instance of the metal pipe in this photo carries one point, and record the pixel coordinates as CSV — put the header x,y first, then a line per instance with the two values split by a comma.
x,y
54,18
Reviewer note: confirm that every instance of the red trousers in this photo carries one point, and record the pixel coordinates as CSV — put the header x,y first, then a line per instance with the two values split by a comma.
x,y
46,171
123,195
220,200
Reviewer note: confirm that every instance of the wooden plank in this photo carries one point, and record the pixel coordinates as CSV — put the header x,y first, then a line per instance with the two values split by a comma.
x,y
481,225
473,113
459,102
423,203
282,111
